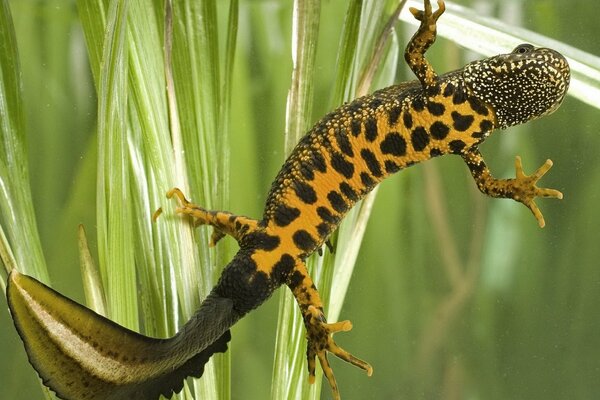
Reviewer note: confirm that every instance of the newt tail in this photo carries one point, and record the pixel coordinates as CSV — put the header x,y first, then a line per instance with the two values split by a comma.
x,y
347,153
82,355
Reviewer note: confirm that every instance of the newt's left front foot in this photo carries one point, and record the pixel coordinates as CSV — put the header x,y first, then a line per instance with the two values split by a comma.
x,y
526,190
320,342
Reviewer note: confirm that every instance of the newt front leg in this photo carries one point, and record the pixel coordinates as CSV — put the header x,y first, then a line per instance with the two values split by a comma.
x,y
522,188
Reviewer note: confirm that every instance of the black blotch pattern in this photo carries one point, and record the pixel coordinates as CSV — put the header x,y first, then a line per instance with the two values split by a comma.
x,y
476,167
341,165
303,240
419,138
439,130
459,97
337,201
318,161
394,114
355,127
407,119
418,104
347,190
306,170
285,215
391,167
456,146
435,152
434,90
462,122
366,180
295,280
449,90
371,129
343,142
436,109
262,241
371,161
393,144
323,229
486,125
478,106
325,214
305,192
283,268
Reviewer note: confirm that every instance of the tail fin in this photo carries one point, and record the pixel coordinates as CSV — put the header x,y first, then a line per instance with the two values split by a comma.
x,y
82,355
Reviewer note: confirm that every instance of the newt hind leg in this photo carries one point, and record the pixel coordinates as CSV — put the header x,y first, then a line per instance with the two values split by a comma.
x,y
223,222
318,331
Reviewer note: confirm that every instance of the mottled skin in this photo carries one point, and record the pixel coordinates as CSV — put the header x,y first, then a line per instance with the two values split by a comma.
x,y
355,147
344,156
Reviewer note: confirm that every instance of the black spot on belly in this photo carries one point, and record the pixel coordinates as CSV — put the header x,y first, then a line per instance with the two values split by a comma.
x,y
439,130
343,142
306,170
459,97
394,114
325,214
456,146
462,122
262,241
486,125
436,109
355,127
418,104
318,161
283,268
393,144
449,90
303,240
337,201
323,229
367,181
435,152
371,161
285,215
391,167
478,106
341,165
347,191
305,192
371,129
419,138
407,119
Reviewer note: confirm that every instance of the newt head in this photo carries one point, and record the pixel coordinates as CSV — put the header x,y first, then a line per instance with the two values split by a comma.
x,y
526,84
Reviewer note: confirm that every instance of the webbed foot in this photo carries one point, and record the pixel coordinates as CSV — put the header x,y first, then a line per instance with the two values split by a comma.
x,y
320,342
526,190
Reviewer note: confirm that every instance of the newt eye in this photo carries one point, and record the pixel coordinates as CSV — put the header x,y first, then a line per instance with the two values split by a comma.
x,y
523,48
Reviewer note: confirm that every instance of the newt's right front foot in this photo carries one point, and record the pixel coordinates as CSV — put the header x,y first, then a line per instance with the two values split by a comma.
x,y
320,342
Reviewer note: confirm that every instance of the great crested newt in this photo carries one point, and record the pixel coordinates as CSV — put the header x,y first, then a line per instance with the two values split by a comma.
x,y
81,355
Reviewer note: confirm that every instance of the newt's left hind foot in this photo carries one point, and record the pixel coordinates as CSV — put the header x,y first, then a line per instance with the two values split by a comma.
x,y
223,222
320,342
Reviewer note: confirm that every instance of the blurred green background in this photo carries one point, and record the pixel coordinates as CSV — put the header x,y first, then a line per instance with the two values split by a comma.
x,y
455,296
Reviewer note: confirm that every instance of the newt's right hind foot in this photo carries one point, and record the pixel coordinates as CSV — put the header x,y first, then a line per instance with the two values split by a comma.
x,y
320,342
